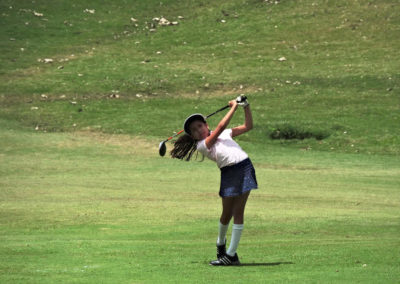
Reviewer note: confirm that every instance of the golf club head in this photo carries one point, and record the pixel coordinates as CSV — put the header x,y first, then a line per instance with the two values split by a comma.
x,y
162,148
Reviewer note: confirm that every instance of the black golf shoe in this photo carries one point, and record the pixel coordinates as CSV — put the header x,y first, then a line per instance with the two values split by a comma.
x,y
226,260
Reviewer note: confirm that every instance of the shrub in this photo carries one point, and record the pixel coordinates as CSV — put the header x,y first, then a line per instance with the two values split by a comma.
x,y
289,132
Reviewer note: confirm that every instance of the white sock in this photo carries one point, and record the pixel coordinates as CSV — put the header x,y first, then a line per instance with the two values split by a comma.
x,y
236,233
222,229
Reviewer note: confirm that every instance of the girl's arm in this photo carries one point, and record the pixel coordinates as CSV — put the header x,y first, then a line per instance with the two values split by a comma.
x,y
248,123
210,140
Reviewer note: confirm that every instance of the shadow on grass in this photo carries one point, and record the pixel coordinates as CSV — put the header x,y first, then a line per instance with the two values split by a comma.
x,y
265,264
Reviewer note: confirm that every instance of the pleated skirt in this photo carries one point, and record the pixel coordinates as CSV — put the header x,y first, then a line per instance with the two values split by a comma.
x,y
238,179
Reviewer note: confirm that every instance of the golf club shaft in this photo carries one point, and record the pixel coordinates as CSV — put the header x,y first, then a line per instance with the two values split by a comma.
x,y
221,109
176,134
242,98
173,135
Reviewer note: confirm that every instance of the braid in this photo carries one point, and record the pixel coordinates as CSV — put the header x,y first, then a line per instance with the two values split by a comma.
x,y
184,148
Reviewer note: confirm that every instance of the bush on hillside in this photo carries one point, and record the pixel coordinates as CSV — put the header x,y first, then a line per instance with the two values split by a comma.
x,y
290,132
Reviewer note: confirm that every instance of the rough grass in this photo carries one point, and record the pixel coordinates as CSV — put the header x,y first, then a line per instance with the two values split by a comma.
x,y
339,77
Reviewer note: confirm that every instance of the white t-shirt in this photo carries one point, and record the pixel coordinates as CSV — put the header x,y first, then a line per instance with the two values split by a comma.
x,y
225,151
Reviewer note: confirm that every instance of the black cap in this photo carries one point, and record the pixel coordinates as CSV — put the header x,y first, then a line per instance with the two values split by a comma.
x,y
190,119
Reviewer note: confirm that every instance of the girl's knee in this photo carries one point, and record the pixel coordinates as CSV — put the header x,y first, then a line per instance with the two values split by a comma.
x,y
225,218
238,218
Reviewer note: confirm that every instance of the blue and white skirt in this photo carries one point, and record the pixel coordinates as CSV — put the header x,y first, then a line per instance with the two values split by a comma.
x,y
238,179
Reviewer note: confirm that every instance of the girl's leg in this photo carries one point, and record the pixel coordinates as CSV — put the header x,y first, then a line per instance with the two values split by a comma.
x,y
227,210
226,216
239,204
231,206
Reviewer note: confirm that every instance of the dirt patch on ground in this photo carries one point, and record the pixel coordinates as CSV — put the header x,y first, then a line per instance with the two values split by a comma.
x,y
122,142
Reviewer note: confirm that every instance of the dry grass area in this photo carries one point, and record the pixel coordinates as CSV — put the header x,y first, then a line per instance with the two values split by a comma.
x,y
124,144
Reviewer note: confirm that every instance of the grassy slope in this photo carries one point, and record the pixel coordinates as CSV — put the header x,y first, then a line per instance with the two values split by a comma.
x,y
340,76
89,207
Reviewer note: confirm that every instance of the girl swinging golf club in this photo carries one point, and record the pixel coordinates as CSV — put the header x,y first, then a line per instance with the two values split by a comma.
x,y
237,172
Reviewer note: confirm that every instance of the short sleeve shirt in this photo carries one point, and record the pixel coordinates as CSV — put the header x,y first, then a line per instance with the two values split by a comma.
x,y
225,151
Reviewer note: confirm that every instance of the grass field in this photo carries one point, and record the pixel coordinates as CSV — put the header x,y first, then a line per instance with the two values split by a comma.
x,y
84,196
88,207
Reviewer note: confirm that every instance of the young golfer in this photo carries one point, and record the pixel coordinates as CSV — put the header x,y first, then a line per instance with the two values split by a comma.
x,y
237,172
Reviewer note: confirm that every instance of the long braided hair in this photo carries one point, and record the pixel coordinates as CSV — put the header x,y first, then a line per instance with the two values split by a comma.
x,y
184,148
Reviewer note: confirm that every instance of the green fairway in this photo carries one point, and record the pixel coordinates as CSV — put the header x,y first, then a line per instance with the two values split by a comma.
x,y
88,89
97,208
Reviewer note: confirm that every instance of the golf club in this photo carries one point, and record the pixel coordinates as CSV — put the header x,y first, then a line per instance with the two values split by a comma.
x,y
162,148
